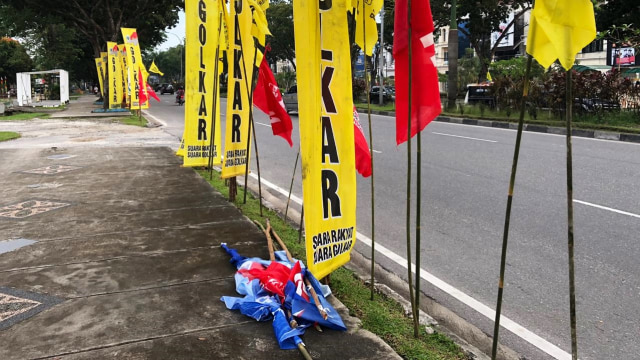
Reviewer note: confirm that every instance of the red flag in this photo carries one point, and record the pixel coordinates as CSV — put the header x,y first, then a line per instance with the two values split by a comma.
x,y
152,93
297,279
142,96
363,156
267,98
425,104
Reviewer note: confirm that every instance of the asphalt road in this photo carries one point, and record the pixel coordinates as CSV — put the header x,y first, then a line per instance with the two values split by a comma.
x,y
464,190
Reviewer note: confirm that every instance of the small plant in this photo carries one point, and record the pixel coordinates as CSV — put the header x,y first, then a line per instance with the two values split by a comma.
x,y
461,109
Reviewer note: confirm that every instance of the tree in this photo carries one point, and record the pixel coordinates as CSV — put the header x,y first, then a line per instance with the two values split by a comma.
x,y
282,41
13,59
96,21
168,61
481,18
613,13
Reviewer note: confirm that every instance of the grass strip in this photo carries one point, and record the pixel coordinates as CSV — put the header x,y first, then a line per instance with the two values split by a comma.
x,y
25,116
8,135
133,120
386,107
382,316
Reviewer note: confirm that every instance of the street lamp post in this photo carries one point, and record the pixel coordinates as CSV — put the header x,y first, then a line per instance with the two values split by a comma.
x,y
181,55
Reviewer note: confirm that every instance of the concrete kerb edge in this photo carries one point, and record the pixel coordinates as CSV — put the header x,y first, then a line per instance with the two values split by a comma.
x,y
467,336
596,134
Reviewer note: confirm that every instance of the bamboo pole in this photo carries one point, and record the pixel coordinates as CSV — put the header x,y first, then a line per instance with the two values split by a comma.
x,y
316,299
572,282
512,181
280,242
301,223
295,166
255,144
408,225
216,80
267,233
251,124
373,220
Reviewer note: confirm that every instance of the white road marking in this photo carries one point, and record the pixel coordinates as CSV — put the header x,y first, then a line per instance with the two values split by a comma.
x,y
259,123
377,151
463,137
606,208
476,305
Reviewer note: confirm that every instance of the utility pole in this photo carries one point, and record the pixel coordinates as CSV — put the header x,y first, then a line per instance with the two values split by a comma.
x,y
181,56
452,78
382,56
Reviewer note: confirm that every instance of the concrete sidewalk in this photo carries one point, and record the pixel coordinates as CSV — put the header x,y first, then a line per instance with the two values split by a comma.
x,y
126,263
82,107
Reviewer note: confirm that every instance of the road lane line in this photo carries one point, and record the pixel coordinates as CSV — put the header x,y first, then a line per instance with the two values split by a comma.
x,y
607,208
476,305
377,151
259,123
463,137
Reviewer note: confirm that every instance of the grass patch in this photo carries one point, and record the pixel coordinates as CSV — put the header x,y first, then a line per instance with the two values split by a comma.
x,y
383,316
25,116
8,135
386,107
133,120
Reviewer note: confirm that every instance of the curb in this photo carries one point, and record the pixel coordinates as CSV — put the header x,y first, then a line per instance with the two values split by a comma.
x,y
594,134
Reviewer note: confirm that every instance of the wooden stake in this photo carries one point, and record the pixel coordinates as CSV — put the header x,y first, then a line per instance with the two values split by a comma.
x,y
507,218
267,232
572,281
280,242
316,299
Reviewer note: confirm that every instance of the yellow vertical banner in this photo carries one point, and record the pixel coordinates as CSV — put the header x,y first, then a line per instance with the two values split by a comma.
x,y
326,132
126,91
240,57
200,60
100,71
115,76
135,65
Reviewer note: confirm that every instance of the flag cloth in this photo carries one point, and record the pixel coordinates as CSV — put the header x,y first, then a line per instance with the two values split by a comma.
x,y
325,102
489,76
366,11
559,29
267,98
201,119
142,96
425,101
125,74
100,72
115,76
240,58
363,156
154,68
134,63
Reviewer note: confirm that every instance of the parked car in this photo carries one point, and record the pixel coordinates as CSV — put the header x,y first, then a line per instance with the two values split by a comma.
x,y
480,94
166,89
290,99
388,94
593,105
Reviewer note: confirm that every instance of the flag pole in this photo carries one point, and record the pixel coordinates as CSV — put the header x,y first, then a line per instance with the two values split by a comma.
x,y
251,125
295,166
408,225
373,220
301,222
216,81
512,181
572,282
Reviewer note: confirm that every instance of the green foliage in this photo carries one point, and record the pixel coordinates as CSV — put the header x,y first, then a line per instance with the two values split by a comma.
x,y
382,316
8,135
285,80
170,62
468,69
13,59
282,41
618,21
359,88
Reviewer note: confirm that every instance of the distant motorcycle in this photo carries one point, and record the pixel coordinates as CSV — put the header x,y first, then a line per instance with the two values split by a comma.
x,y
180,99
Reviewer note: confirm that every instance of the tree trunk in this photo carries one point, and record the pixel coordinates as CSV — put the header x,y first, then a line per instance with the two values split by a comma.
x,y
452,78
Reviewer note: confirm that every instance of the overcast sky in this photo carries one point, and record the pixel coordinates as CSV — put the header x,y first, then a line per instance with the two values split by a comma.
x,y
177,31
